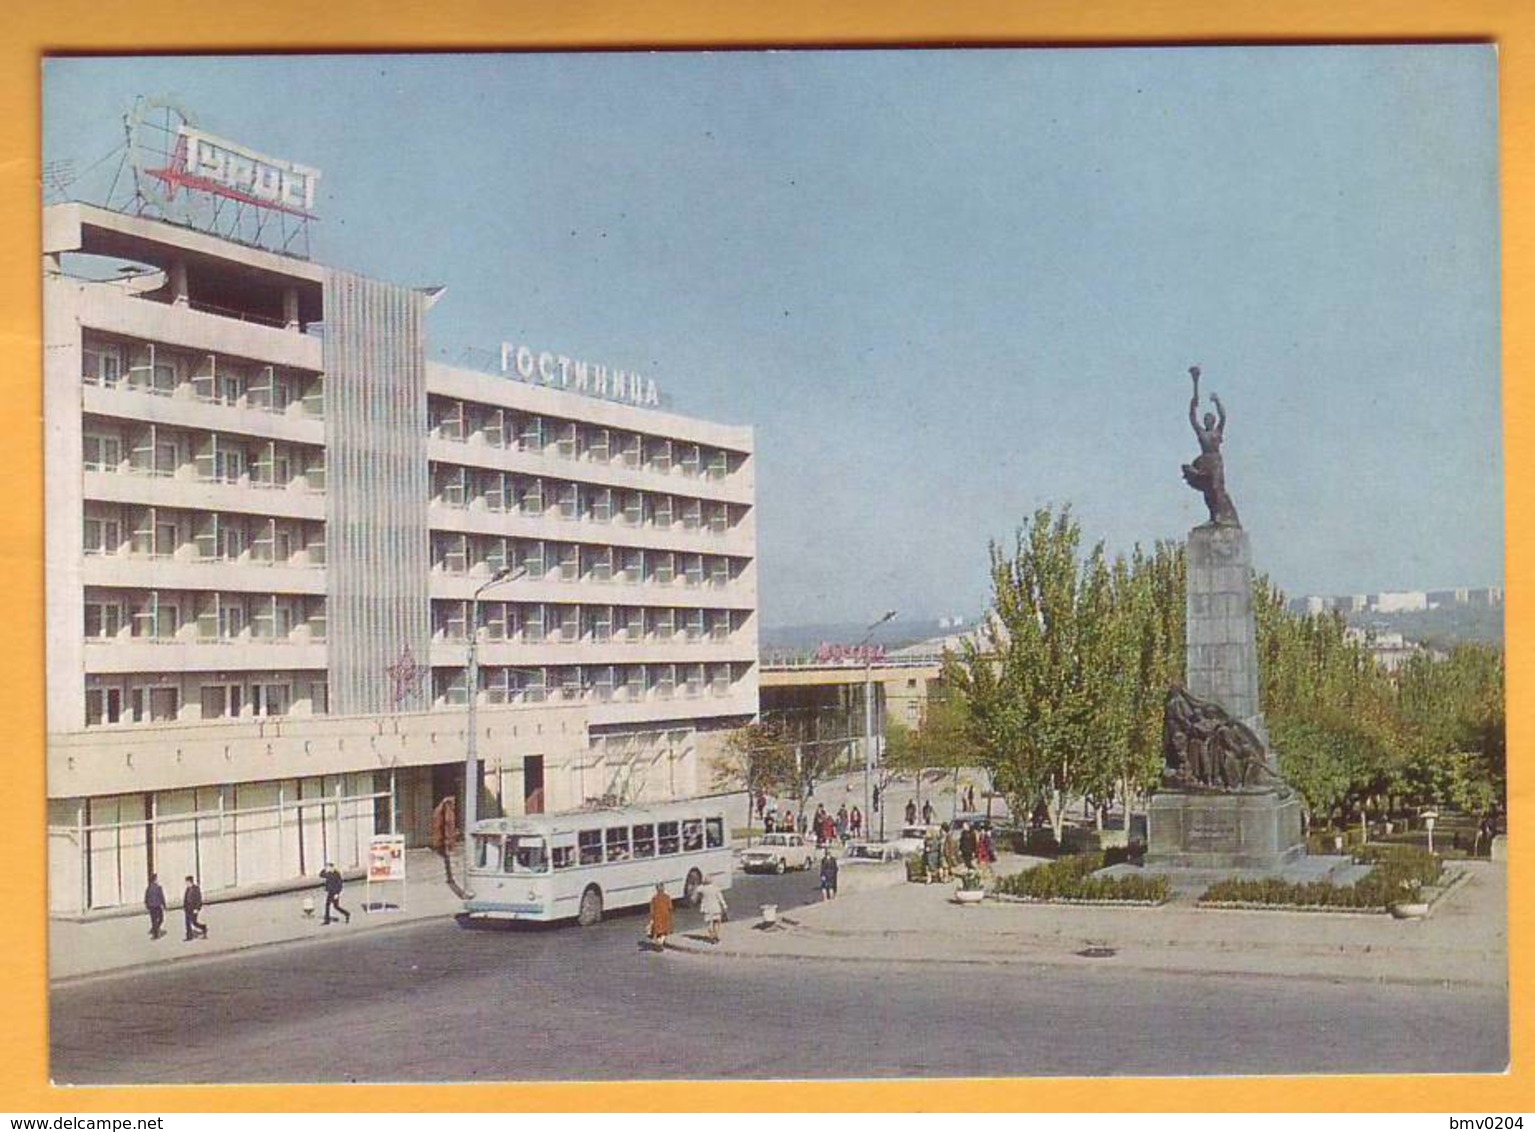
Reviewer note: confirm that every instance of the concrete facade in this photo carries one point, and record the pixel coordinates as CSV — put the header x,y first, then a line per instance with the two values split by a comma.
x,y
268,517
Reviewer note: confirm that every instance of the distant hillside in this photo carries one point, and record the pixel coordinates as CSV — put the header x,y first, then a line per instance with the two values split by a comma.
x,y
1442,628
805,638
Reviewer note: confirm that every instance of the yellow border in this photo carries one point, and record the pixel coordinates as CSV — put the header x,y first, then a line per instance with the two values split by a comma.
x,y
33,27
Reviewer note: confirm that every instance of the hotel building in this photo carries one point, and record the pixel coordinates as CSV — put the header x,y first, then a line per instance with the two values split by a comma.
x,y
270,527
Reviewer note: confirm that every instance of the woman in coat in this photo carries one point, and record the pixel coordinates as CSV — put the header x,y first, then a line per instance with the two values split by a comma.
x,y
660,917
711,902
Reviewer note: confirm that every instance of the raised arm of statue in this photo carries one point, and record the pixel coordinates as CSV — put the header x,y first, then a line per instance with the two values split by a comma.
x,y
1220,410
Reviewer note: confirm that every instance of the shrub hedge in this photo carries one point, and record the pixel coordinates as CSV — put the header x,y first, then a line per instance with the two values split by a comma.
x,y
1070,879
1399,872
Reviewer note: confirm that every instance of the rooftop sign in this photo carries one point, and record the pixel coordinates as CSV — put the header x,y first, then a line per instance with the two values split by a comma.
x,y
562,372
201,161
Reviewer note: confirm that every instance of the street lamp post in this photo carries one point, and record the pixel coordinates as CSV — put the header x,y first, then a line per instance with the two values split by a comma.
x,y
868,715
472,682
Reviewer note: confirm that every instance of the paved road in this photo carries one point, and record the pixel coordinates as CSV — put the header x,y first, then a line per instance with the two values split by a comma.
x,y
434,1002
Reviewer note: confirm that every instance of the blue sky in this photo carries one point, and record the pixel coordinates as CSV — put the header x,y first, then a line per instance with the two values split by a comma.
x,y
947,287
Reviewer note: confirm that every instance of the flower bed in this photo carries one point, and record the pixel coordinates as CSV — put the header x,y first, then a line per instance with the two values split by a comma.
x,y
1069,880
1400,874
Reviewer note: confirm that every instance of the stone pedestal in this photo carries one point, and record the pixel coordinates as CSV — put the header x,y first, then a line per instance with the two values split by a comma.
x,y
1260,832
1221,632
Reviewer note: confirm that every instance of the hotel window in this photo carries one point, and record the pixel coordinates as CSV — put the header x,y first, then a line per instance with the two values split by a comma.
x,y
452,616
599,563
534,685
689,459
692,514
220,460
271,699
103,620
634,565
659,451
693,569
567,440
449,684
531,499
231,385
719,679
493,620
495,557
570,623
314,618
153,371
497,684
694,680
570,501
493,490
102,706
634,624
663,567
569,680
629,448
314,396
102,452
719,464
452,485
532,438
719,518
534,625
315,548
455,553
661,511
634,682
599,445
263,540
153,705
719,624
634,508
272,467
263,615
719,571
601,500
663,623
102,535
493,428
570,562
269,390
533,559
599,622
319,697
602,682
314,471
693,624
450,420
102,364
663,680
221,701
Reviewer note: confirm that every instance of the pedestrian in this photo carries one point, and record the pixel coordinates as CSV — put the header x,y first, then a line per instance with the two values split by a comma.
x,y
660,918
711,902
855,821
828,876
987,848
332,878
788,821
842,822
191,904
969,844
761,804
970,798
927,812
821,825
911,811
875,805
445,834
154,901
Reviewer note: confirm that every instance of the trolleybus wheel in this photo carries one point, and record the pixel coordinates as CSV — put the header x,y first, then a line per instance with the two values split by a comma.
x,y
690,886
591,907
782,867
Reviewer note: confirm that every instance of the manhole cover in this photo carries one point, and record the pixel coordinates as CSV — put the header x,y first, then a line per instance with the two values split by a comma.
x,y
1097,952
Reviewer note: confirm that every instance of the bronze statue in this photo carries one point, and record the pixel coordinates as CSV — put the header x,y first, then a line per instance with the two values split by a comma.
x,y
1207,474
1205,748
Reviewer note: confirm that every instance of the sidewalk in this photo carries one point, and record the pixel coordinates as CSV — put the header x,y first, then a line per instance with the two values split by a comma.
x,y
1464,940
115,944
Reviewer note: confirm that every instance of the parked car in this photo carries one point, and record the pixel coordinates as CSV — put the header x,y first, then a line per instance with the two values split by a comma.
x,y
912,838
869,853
779,852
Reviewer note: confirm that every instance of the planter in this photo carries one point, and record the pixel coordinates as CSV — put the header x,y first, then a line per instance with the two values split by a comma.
x,y
1410,909
969,895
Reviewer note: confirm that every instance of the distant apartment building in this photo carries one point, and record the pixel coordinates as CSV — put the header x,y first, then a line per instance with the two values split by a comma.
x,y
273,527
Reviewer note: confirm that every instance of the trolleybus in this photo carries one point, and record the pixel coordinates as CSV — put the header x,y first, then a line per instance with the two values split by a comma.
x,y
582,864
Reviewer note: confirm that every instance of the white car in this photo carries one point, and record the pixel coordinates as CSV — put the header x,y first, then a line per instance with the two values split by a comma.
x,y
869,853
779,852
912,839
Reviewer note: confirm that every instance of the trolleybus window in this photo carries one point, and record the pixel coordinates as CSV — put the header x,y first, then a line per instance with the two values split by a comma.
x,y
590,841
487,850
618,843
644,841
714,832
564,856
692,835
526,855
668,837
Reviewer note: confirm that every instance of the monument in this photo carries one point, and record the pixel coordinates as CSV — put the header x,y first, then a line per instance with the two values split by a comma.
x,y
1223,804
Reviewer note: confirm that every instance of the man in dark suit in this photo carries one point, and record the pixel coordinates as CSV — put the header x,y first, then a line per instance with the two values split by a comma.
x,y
154,900
332,878
191,904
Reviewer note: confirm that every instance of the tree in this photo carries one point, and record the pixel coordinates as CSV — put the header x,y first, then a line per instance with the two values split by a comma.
x,y
757,759
1044,707
940,741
